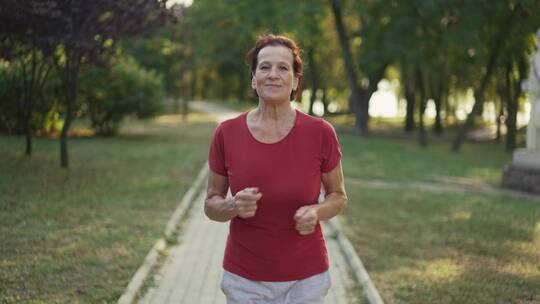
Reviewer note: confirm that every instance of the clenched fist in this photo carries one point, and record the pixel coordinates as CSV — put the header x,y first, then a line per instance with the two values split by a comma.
x,y
245,202
306,219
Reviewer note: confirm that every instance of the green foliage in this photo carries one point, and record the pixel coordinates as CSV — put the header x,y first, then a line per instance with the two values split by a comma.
x,y
448,41
163,50
10,94
222,31
125,89
13,106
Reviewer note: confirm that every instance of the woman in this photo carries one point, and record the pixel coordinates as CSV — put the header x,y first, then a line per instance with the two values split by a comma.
x,y
274,159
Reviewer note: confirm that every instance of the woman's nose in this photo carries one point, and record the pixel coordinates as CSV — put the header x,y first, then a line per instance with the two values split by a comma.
x,y
273,72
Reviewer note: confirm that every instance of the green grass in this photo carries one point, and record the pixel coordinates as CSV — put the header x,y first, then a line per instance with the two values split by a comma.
x,y
447,248
430,247
402,159
79,235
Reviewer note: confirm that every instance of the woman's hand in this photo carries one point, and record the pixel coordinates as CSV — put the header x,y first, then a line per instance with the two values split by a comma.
x,y
306,219
245,202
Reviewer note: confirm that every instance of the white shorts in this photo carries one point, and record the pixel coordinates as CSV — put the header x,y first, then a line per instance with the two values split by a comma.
x,y
240,290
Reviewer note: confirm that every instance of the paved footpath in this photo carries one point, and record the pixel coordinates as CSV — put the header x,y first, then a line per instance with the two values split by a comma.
x,y
192,269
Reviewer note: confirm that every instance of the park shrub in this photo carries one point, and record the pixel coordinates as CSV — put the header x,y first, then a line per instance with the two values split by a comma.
x,y
45,105
10,93
114,93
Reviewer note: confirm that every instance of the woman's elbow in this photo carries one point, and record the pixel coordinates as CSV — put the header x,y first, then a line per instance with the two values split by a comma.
x,y
344,203
211,213
208,211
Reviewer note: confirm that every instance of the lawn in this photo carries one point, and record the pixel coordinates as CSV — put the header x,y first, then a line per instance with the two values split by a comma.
x,y
431,247
390,154
79,235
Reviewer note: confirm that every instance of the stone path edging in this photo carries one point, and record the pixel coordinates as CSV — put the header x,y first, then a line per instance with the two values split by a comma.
x,y
355,263
352,258
151,259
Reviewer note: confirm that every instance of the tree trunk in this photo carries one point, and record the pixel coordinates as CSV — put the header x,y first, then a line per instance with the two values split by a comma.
x,y
33,81
27,104
28,150
70,84
410,99
479,92
312,99
355,98
478,101
499,120
437,128
437,99
511,109
514,93
28,110
446,104
324,101
366,94
313,79
409,117
422,136
501,91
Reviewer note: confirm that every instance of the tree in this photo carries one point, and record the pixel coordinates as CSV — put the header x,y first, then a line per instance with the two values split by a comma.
x,y
165,51
352,77
221,33
504,22
407,34
20,44
111,94
515,70
77,32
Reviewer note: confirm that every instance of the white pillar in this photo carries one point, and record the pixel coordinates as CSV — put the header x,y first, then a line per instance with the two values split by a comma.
x,y
529,158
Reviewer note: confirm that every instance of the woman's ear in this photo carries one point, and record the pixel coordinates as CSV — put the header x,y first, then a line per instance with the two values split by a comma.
x,y
253,82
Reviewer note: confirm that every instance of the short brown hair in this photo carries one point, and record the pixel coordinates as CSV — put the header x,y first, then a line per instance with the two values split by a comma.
x,y
274,40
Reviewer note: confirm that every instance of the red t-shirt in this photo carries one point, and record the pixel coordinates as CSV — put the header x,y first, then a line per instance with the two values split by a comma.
x,y
267,247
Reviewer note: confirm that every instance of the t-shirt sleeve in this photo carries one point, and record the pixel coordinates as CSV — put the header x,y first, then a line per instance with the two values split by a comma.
x,y
330,149
216,155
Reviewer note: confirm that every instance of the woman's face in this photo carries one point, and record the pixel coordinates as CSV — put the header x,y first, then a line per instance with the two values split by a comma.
x,y
274,77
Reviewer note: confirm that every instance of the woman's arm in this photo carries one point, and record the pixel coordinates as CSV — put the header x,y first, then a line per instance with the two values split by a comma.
x,y
220,208
216,206
336,198
335,201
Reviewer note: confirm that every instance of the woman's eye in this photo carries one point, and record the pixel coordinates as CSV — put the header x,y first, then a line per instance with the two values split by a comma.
x,y
283,68
264,67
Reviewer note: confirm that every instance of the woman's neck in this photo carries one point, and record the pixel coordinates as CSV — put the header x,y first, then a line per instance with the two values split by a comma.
x,y
276,112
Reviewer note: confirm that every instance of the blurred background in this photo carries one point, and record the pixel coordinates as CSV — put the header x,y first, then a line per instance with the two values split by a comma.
x,y
103,89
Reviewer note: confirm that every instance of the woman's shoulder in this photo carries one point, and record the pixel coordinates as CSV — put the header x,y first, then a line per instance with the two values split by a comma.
x,y
233,123
314,123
